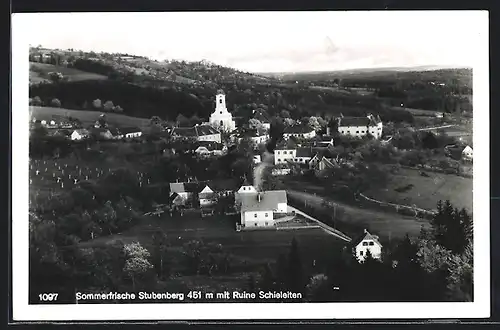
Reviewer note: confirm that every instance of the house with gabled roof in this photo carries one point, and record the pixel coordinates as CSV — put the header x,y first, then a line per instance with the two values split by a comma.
x,y
259,210
360,126
80,134
131,132
201,132
300,131
215,189
367,242
263,117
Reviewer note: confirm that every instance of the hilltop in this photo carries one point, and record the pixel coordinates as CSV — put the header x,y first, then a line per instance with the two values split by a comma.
x,y
145,88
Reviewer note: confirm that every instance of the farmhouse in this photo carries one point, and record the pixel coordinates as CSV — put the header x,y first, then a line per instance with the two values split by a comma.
x,y
79,134
467,153
323,161
115,132
258,209
221,118
256,136
215,189
367,242
298,155
244,189
300,131
206,149
185,191
131,132
263,117
198,132
360,126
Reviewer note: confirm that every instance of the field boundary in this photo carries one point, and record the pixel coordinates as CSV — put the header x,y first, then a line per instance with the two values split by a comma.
x,y
418,212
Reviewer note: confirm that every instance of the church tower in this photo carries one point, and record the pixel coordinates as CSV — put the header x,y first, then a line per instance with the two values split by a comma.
x,y
221,118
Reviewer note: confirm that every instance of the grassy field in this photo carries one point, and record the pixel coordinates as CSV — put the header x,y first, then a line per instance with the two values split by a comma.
x,y
426,191
249,247
37,70
87,116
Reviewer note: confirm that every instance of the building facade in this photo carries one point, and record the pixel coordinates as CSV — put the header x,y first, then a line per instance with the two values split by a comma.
x,y
360,126
221,118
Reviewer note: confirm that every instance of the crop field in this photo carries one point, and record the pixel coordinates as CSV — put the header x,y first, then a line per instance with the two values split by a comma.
x,y
424,192
87,116
40,69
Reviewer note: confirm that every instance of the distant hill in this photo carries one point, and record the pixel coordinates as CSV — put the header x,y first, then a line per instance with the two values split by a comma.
x,y
39,72
359,71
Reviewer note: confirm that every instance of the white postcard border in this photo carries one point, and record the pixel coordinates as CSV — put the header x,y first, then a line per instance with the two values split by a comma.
x,y
22,311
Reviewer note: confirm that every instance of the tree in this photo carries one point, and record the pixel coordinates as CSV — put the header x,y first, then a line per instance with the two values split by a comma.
x,y
118,109
137,263
314,123
55,103
37,101
285,114
108,106
254,123
160,244
102,121
182,120
155,120
429,141
296,281
97,104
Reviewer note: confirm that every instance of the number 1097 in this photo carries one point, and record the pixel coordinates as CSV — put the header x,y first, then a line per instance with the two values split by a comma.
x,y
48,296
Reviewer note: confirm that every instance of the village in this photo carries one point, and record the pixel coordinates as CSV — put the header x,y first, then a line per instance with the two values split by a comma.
x,y
303,147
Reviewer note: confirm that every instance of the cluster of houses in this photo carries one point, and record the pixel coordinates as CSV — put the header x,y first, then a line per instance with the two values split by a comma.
x,y
258,209
66,129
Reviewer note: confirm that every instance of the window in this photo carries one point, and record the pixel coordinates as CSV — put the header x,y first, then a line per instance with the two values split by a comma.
x,y
255,224
362,132
357,132
220,101
371,243
266,215
221,123
279,160
220,112
296,159
365,243
360,253
266,223
278,152
255,215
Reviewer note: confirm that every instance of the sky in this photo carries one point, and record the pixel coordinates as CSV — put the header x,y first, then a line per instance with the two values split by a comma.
x,y
271,41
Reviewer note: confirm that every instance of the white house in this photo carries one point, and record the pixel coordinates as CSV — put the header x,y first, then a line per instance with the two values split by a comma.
x,y
263,117
214,189
79,134
258,209
131,132
221,118
467,153
360,126
244,189
300,131
298,155
367,242
257,159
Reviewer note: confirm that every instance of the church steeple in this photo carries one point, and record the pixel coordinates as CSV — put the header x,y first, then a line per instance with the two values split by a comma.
x,y
221,118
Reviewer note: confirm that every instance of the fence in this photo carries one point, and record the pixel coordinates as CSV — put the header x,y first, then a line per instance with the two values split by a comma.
x,y
404,209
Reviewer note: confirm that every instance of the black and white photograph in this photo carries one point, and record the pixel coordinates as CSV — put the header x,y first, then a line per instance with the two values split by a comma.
x,y
250,165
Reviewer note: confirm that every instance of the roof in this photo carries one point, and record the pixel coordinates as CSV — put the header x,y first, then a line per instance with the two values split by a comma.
x,y
184,131
195,131
205,130
114,131
180,187
369,120
126,130
304,152
269,200
81,131
262,117
365,236
298,129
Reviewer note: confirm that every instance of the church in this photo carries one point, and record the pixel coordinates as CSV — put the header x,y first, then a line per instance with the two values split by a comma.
x,y
221,118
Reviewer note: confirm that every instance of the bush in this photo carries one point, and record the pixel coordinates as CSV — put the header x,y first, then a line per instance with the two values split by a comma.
x,y
55,103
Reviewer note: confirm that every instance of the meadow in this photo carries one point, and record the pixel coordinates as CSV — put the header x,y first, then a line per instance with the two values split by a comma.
x,y
88,116
40,71
426,191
